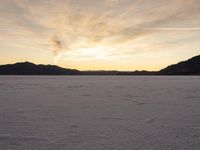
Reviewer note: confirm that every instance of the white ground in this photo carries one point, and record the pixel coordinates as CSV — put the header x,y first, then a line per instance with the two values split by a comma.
x,y
99,113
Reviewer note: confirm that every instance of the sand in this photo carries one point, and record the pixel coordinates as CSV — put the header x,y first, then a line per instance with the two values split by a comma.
x,y
99,113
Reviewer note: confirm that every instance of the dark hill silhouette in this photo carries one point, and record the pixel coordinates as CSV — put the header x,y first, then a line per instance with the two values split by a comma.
x,y
27,68
189,67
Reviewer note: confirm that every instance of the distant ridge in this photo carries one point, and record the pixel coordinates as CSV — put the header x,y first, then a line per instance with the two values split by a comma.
x,y
189,67
27,68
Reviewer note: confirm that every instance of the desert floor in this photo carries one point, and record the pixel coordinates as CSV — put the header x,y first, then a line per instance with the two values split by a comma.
x,y
99,113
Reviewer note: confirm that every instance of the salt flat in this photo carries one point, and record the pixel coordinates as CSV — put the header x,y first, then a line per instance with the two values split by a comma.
x,y
99,113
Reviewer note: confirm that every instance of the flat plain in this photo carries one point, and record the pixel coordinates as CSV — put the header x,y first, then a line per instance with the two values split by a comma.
x,y
99,113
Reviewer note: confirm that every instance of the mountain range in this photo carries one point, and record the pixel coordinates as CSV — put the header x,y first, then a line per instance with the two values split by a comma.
x,y
188,67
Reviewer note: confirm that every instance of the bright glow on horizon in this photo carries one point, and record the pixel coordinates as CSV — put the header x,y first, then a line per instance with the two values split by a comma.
x,y
100,35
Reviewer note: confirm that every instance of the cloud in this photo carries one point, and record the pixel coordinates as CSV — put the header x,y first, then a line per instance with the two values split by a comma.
x,y
57,44
68,25
173,29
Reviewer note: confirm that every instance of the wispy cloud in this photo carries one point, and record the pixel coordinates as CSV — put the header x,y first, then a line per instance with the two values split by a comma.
x,y
172,29
67,26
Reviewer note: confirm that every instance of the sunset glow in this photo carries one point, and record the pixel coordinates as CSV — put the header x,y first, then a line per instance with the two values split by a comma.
x,y
100,34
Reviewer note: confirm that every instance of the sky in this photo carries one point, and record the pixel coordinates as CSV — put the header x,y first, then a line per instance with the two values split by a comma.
x,y
100,34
